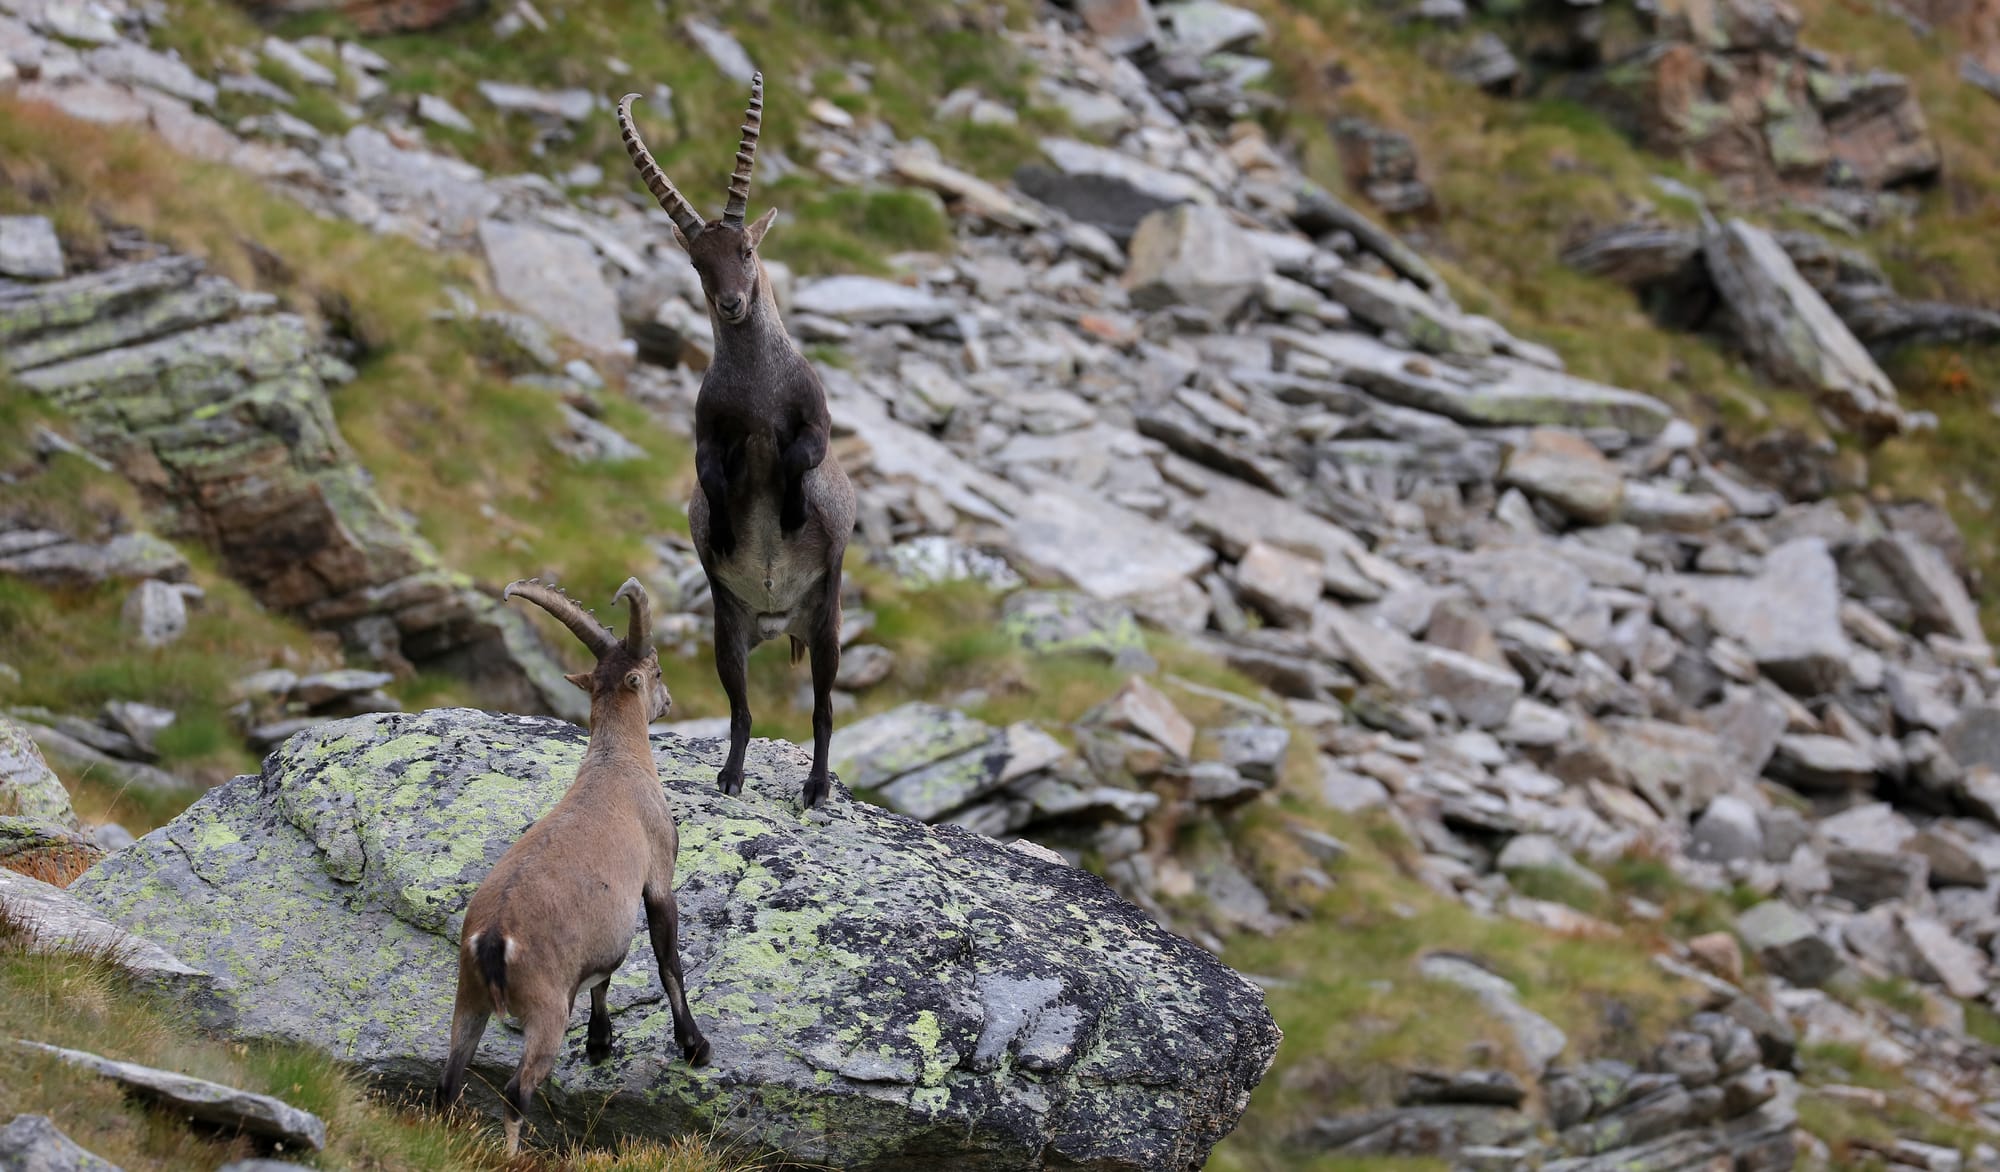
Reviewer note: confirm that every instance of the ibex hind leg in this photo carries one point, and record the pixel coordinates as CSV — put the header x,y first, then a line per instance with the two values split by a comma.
x,y
542,1039
732,667
469,1013
597,1042
825,666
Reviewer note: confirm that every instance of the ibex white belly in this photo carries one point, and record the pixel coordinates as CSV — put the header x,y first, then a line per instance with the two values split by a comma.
x,y
773,578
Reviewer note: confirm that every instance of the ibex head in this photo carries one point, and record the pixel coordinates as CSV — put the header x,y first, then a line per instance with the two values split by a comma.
x,y
624,666
724,251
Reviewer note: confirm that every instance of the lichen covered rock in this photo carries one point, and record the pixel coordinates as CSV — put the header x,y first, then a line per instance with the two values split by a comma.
x,y
879,994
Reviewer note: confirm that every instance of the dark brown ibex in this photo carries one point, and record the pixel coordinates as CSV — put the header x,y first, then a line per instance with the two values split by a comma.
x,y
772,510
555,914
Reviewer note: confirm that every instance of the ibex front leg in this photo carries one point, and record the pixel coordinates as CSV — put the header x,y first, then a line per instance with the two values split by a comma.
x,y
732,667
663,920
825,666
800,455
711,471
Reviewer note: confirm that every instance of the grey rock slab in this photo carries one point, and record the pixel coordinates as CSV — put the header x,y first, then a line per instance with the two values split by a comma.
x,y
29,248
1865,878
52,559
1791,332
1974,738
155,613
438,112
324,687
1538,1038
1068,622
1953,963
873,751
1106,189
1727,831
28,786
553,276
1396,306
76,758
58,921
1816,763
1011,1011
721,48
296,62
1787,617
566,105
1194,255
1479,693
871,301
1788,943
33,1143
1107,551
1281,584
1120,26
1202,27
1141,708
1921,575
197,1098
1564,469
137,65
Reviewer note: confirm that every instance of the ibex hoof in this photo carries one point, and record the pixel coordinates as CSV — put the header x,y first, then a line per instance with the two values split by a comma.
x,y
730,783
697,1054
597,1051
816,790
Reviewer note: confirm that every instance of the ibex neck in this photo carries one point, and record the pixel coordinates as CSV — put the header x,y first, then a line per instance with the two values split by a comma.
x,y
618,726
759,339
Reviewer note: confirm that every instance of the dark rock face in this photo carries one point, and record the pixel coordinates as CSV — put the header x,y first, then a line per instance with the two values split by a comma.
x,y
880,994
218,410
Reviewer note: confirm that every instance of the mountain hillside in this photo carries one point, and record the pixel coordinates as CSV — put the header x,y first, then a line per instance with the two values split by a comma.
x,y
1475,515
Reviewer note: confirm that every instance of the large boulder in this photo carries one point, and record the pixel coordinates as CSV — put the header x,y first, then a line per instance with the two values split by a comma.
x,y
1193,254
28,786
879,994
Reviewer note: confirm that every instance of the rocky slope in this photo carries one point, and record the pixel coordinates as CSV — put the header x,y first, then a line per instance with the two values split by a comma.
x,y
1540,624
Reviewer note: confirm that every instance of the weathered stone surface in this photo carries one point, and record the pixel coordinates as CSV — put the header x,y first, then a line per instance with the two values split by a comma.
x,y
196,1098
1107,551
56,920
1788,617
721,48
1193,254
28,787
555,277
49,558
29,248
1953,963
1280,583
1121,26
32,1143
987,1029
1064,622
1727,831
870,301
1480,693
1389,304
1141,708
1788,943
1793,334
1822,764
1866,878
155,613
1539,1039
1563,468
1913,570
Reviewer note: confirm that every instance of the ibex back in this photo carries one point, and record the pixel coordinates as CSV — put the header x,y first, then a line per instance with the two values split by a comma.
x,y
772,510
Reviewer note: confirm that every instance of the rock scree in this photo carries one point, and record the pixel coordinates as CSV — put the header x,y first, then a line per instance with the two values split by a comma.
x,y
880,994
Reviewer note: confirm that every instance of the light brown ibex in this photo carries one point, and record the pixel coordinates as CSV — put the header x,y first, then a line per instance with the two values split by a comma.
x,y
555,914
772,510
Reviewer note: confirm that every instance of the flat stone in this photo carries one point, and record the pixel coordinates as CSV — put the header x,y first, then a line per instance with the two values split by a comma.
x,y
1788,616
59,921
196,1098
567,105
1194,255
1204,27
1822,764
32,1143
1788,943
1539,1040
155,613
295,61
1481,694
1141,708
1956,965
871,301
1866,878
1727,831
721,48
966,193
137,65
1791,332
438,112
1564,469
1107,551
1399,307
52,559
1279,583
1066,622
1873,826
322,688
555,277
873,751
1120,26
29,248
1918,573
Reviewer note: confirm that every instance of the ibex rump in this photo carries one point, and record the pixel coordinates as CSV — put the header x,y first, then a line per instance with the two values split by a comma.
x,y
772,510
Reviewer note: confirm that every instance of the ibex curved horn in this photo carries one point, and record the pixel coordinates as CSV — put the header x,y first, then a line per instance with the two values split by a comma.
x,y
746,155
593,634
638,632
685,217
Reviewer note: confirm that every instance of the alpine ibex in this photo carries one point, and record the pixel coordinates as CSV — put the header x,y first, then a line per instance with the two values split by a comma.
x,y
772,510
555,914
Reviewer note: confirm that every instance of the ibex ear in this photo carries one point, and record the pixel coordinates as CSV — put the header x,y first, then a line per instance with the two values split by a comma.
x,y
681,239
756,231
580,678
634,681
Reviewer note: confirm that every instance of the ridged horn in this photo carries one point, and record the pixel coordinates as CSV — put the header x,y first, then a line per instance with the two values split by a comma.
x,y
593,634
639,632
746,155
685,217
